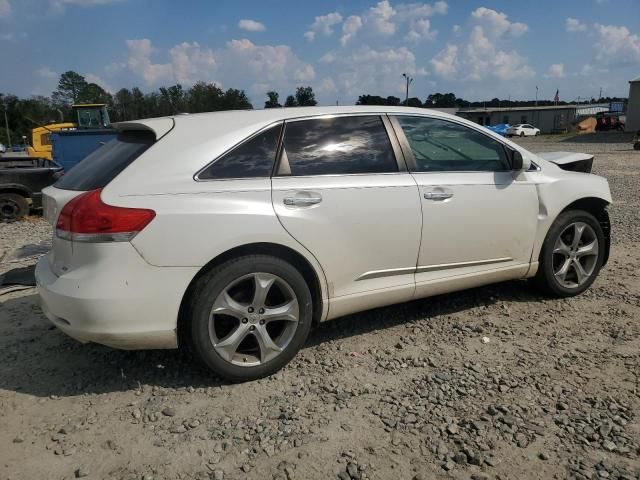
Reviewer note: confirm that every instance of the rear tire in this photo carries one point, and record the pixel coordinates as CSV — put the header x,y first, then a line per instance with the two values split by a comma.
x,y
250,316
13,207
571,255
522,134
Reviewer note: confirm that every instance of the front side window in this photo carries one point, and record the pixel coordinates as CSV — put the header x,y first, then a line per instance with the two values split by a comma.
x,y
338,145
251,159
444,146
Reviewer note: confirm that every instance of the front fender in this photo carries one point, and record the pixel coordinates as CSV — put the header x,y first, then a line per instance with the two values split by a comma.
x,y
558,192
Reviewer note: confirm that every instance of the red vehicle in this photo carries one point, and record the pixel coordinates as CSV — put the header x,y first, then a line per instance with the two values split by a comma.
x,y
609,121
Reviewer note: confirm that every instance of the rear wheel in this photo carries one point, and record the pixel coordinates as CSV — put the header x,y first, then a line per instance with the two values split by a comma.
x,y
13,207
522,134
571,255
250,316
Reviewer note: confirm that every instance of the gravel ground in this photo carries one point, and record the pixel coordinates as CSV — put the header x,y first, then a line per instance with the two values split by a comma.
x,y
407,392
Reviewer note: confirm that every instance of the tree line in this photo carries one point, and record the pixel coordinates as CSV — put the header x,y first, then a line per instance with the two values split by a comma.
x,y
23,114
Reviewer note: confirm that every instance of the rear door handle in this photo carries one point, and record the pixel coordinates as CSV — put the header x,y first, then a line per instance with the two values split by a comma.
x,y
437,195
301,201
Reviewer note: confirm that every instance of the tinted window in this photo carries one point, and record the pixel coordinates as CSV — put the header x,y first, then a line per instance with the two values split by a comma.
x,y
339,145
252,158
101,166
443,146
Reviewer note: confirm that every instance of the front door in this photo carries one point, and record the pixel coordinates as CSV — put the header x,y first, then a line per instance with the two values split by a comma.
x,y
341,192
479,217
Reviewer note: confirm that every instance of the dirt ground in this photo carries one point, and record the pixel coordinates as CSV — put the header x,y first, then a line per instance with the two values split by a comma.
x,y
407,392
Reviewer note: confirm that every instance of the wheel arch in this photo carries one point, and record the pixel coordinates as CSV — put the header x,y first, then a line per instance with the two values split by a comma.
x,y
15,188
310,274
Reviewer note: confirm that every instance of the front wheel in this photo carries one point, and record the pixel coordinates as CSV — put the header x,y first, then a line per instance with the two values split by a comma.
x,y
522,134
571,255
250,316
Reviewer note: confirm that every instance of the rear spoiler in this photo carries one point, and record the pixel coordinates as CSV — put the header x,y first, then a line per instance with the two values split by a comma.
x,y
159,126
572,161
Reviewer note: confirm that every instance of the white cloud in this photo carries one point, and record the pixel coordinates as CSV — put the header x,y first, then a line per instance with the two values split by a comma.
x,y
5,9
59,5
616,45
367,70
455,29
323,24
349,28
91,78
304,74
483,59
381,18
445,63
191,62
327,86
574,25
139,62
556,71
251,25
46,72
420,29
498,23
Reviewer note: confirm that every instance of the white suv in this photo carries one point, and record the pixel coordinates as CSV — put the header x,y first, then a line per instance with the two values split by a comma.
x,y
236,232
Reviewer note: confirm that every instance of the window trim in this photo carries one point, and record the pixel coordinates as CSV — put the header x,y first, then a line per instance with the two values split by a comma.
x,y
393,140
410,157
196,176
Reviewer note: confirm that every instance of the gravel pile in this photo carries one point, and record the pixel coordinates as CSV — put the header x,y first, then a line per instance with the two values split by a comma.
x,y
492,383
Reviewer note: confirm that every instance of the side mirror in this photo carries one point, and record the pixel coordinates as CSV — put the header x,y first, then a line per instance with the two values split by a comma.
x,y
518,163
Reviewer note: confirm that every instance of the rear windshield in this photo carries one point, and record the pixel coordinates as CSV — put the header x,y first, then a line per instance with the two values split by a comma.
x,y
98,168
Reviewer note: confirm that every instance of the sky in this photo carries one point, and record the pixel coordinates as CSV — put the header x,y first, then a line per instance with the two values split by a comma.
x,y
475,49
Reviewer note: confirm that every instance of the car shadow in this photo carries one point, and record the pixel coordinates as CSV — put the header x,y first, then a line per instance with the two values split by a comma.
x,y
37,359
601,137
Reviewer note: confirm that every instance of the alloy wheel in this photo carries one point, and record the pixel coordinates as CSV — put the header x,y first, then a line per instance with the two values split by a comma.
x,y
575,255
253,319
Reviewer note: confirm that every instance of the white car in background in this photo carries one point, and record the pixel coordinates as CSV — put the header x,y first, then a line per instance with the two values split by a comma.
x,y
236,232
522,130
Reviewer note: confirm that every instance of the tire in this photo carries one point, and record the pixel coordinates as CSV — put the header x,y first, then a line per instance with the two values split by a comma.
x,y
555,256
13,207
537,133
522,134
232,288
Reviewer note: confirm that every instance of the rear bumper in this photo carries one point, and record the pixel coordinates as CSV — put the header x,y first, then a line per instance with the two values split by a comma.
x,y
119,300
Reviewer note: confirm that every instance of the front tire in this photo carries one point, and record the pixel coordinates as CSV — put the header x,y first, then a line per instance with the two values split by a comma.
x,y
522,134
571,255
250,316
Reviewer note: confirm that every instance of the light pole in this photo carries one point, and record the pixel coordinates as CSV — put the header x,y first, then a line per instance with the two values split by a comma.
x,y
536,95
408,80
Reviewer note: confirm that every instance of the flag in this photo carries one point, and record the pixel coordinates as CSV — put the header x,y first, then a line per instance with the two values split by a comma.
x,y
557,97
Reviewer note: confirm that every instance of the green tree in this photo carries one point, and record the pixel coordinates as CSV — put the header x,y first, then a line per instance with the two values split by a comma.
x,y
70,86
272,101
93,93
290,101
305,97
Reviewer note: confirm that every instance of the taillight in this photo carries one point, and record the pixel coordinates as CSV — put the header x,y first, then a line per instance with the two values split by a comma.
x,y
87,218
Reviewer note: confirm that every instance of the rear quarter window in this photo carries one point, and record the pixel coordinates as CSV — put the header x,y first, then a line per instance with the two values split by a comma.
x,y
101,166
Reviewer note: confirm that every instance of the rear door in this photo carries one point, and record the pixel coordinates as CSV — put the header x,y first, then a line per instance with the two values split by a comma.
x,y
342,191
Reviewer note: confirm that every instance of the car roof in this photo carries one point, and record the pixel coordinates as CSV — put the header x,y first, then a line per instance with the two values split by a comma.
x,y
255,119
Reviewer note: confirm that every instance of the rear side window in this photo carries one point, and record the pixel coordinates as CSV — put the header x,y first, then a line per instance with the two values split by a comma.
x,y
252,158
101,166
339,145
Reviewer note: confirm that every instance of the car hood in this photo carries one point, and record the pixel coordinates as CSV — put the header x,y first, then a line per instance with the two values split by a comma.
x,y
572,161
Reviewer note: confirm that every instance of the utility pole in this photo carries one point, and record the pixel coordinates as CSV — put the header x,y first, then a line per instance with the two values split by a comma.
x,y
6,126
408,80
536,95
600,97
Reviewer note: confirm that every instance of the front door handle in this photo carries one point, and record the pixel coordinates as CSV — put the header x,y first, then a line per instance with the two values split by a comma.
x,y
437,195
302,201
